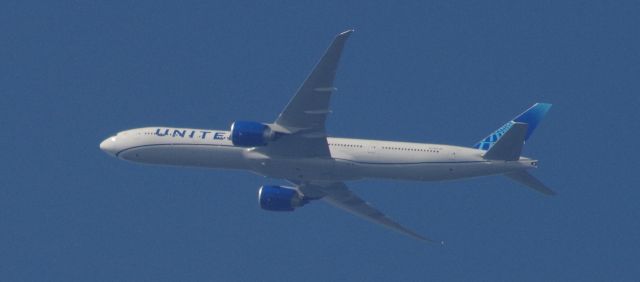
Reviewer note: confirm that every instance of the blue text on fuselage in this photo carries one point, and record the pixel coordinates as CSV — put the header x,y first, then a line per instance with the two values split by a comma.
x,y
190,133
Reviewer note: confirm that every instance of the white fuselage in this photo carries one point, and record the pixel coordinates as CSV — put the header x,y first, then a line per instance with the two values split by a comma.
x,y
351,159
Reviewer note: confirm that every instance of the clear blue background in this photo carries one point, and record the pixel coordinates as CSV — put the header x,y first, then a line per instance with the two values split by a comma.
x,y
75,72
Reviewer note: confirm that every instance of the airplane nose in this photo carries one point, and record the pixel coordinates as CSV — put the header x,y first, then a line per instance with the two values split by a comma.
x,y
108,146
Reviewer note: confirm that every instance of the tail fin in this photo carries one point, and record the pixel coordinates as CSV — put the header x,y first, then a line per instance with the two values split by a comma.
x,y
531,117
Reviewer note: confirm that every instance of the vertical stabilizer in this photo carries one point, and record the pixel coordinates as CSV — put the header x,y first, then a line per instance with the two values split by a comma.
x,y
531,117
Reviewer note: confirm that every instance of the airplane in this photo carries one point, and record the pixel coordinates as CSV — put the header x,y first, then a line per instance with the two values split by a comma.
x,y
296,148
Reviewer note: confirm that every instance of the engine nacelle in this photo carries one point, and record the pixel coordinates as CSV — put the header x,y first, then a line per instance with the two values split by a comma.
x,y
280,198
250,134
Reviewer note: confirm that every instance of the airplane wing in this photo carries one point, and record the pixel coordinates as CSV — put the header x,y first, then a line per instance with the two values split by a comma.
x,y
339,195
305,115
308,109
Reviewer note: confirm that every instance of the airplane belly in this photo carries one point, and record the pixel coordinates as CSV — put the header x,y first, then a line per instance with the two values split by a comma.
x,y
187,155
317,169
419,172
433,171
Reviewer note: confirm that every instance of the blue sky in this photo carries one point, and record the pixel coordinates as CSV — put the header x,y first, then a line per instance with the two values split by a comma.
x,y
74,72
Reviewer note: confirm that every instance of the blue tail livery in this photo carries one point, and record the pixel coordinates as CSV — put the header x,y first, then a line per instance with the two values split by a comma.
x,y
531,117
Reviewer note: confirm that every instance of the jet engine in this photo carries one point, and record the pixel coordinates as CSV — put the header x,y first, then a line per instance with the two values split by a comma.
x,y
250,134
280,198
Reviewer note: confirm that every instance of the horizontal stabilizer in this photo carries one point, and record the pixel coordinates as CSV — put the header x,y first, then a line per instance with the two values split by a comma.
x,y
530,181
509,146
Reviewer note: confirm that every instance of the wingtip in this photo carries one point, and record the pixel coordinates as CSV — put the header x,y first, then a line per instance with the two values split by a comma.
x,y
544,105
435,242
429,240
346,32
